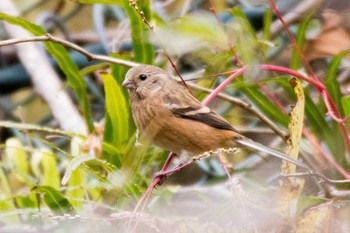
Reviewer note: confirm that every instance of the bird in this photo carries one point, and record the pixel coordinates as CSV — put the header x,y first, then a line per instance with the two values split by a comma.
x,y
170,117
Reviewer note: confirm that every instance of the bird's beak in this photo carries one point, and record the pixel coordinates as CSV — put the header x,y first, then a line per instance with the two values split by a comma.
x,y
128,84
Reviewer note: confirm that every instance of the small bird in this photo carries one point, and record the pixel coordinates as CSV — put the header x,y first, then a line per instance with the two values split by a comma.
x,y
168,116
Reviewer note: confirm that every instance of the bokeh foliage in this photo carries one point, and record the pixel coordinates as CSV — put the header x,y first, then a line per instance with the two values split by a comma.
x,y
71,180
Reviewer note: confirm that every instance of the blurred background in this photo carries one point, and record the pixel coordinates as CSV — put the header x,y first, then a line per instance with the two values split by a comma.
x,y
88,178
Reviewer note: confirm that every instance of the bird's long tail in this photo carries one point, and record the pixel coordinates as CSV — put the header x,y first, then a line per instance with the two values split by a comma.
x,y
257,146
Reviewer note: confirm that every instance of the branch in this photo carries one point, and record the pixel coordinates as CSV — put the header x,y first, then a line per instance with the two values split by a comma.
x,y
73,46
294,15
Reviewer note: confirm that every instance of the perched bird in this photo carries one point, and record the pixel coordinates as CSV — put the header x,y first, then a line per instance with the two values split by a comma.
x,y
167,115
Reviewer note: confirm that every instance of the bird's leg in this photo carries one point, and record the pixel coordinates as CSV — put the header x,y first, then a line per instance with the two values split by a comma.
x,y
165,174
161,174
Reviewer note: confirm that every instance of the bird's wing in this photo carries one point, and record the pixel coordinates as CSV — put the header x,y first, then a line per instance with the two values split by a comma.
x,y
184,105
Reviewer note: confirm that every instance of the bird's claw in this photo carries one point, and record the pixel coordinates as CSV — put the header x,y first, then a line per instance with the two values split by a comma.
x,y
161,176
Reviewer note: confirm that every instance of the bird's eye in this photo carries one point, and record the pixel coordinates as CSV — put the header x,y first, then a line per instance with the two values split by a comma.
x,y
143,77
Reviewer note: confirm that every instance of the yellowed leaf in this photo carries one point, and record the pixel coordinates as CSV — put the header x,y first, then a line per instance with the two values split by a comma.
x,y
317,219
291,187
295,127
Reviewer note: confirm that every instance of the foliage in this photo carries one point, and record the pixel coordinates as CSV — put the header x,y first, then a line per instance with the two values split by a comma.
x,y
97,179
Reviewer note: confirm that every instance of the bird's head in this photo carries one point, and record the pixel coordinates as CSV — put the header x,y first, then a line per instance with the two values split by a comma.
x,y
145,80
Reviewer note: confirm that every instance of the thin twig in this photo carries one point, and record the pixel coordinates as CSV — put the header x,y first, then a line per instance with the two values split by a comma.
x,y
294,15
318,175
89,56
157,180
223,85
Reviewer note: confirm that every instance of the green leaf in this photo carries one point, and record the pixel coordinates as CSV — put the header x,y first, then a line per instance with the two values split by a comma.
x,y
331,81
16,156
302,29
53,198
116,109
329,133
75,80
306,202
74,164
245,38
317,219
117,116
6,205
264,104
345,101
26,201
50,167
119,71
4,186
143,49
267,26
238,14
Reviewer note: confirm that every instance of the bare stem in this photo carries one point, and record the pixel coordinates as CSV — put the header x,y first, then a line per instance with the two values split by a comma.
x,y
70,45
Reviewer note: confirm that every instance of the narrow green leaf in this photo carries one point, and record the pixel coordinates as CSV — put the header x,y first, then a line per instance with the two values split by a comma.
x,y
116,108
53,198
4,186
16,157
118,73
306,202
331,81
267,26
117,116
73,165
78,176
50,167
264,104
238,13
345,101
75,80
296,59
25,201
143,49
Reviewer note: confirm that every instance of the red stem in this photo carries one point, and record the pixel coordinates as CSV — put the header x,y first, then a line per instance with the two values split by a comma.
x,y
331,107
155,182
326,155
315,144
223,85
292,39
273,98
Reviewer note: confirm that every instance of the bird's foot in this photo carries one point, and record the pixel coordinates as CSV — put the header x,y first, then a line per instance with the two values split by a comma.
x,y
161,176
